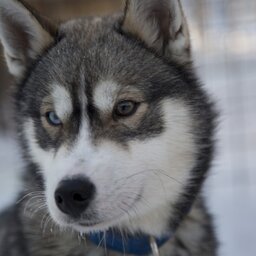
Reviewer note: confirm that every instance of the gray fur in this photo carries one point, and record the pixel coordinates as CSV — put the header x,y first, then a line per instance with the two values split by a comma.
x,y
84,52
195,236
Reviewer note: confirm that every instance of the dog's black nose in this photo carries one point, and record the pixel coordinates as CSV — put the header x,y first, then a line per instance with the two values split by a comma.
x,y
73,196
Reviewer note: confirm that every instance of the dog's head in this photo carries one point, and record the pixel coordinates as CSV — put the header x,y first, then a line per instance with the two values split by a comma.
x,y
110,113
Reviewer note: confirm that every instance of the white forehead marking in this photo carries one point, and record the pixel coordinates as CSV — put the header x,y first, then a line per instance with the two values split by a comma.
x,y
105,94
62,101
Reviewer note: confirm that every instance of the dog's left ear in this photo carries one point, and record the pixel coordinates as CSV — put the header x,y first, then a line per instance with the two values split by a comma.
x,y
24,35
161,25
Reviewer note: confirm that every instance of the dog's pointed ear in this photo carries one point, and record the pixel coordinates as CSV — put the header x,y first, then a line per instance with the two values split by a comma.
x,y
161,25
24,35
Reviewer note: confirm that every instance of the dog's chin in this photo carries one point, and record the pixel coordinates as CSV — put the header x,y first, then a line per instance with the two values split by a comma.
x,y
96,226
83,226
89,227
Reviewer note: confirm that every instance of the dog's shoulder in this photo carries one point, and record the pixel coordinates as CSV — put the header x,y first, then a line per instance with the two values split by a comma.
x,y
11,235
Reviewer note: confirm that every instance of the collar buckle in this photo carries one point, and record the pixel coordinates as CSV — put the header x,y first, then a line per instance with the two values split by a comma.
x,y
154,246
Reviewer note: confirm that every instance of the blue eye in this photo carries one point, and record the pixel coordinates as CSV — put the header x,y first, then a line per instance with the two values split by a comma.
x,y
53,119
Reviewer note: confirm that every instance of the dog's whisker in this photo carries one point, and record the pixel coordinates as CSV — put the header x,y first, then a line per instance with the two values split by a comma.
x,y
105,242
29,203
43,218
47,221
124,210
162,172
100,242
55,228
123,240
28,195
159,171
39,208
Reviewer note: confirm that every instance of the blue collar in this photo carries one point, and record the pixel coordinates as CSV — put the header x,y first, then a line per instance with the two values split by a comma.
x,y
130,244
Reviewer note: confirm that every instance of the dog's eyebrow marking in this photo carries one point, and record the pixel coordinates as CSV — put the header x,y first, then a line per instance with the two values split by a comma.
x,y
62,101
104,95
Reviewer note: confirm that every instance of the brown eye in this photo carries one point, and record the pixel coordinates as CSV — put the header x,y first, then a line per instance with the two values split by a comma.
x,y
126,108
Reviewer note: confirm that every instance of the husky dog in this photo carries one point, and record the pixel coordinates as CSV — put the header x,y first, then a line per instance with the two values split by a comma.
x,y
116,133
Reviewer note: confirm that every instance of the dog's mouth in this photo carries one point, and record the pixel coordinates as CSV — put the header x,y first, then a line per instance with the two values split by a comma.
x,y
97,225
90,224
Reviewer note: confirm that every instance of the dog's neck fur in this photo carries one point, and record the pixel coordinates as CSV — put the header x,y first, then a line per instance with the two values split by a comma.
x,y
43,237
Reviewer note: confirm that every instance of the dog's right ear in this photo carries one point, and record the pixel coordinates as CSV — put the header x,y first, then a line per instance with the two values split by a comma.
x,y
24,35
161,25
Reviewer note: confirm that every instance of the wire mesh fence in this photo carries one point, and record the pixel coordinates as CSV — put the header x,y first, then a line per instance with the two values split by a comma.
x,y
224,36
224,39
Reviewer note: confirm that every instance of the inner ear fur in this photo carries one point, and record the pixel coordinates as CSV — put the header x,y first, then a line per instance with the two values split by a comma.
x,y
24,35
161,25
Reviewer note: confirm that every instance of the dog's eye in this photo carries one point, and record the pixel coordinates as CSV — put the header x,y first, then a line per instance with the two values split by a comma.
x,y
53,119
126,108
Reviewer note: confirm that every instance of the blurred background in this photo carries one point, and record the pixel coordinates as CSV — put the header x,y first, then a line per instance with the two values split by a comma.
x,y
223,34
